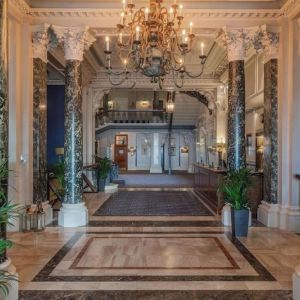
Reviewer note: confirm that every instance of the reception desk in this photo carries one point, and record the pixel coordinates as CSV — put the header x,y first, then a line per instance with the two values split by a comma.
x,y
207,181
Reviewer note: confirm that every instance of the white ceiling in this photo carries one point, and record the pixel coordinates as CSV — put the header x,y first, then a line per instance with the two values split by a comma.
x,y
205,4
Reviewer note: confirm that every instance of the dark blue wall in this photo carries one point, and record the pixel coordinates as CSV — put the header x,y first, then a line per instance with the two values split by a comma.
x,y
55,121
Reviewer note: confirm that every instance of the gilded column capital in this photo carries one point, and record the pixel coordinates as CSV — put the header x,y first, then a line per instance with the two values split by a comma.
x,y
75,40
40,41
235,41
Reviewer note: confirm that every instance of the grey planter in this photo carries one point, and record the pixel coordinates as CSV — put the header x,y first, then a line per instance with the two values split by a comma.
x,y
239,222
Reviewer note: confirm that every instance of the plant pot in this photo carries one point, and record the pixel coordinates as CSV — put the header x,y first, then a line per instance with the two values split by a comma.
x,y
101,184
239,221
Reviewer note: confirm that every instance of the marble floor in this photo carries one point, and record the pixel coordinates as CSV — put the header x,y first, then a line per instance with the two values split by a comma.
x,y
154,257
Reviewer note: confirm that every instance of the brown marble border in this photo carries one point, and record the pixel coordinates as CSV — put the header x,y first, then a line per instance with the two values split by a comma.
x,y
45,273
157,294
233,263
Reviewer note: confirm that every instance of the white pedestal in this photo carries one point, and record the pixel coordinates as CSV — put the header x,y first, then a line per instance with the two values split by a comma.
x,y
73,215
14,284
296,283
112,187
268,214
226,216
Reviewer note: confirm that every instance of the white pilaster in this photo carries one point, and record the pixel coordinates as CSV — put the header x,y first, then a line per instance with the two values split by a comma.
x,y
155,154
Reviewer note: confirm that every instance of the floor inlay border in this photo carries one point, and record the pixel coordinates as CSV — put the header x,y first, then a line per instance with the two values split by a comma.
x,y
45,273
161,294
231,260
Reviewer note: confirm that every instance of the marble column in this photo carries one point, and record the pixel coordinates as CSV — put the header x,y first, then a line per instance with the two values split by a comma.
x,y
269,212
75,40
235,43
40,48
3,106
271,44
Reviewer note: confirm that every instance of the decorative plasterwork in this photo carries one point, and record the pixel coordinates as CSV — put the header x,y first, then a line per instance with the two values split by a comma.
x,y
235,41
192,14
40,41
290,7
75,40
267,41
21,5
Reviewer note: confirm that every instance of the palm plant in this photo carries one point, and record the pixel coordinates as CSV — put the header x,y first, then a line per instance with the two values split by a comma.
x,y
104,166
8,213
235,186
59,172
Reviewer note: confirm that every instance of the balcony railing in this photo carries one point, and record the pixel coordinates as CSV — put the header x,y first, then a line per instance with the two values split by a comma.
x,y
131,116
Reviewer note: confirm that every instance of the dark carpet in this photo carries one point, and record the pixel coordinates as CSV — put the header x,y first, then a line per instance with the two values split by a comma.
x,y
153,203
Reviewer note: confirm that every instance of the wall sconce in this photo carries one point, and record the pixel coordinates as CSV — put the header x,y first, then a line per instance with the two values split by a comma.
x,y
220,147
132,151
170,106
184,149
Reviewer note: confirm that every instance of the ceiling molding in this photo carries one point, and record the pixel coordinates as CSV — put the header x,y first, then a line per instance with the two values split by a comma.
x,y
291,8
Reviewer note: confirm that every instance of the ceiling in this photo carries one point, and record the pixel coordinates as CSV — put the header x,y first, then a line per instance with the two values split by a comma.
x,y
204,4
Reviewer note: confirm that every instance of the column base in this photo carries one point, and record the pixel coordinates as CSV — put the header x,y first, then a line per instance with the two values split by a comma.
x,y
14,284
268,214
296,283
156,170
191,169
279,216
226,216
73,215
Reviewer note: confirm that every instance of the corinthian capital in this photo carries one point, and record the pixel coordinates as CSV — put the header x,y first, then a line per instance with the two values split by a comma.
x,y
235,41
264,40
40,41
75,40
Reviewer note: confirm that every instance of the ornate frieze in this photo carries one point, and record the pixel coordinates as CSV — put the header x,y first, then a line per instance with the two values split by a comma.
x,y
235,41
40,41
75,40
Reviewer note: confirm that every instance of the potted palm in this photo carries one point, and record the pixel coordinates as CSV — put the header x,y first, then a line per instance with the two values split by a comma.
x,y
59,173
8,212
104,166
234,188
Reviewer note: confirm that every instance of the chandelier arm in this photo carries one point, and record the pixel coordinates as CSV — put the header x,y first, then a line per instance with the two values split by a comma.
x,y
175,81
116,83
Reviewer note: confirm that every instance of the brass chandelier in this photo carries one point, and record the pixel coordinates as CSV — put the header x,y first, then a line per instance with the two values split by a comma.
x,y
152,41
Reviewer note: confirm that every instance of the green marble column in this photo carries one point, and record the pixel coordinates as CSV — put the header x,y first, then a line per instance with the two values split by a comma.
x,y
234,40
40,45
75,40
3,106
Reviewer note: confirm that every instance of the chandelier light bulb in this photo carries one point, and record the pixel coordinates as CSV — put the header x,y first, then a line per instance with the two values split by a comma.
x,y
171,11
107,43
122,17
191,27
120,38
137,33
180,10
125,62
202,49
124,4
146,13
183,36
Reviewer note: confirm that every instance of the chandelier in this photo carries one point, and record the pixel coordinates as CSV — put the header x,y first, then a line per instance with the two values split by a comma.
x,y
153,42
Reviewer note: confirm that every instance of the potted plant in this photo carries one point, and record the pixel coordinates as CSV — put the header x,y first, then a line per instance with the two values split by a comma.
x,y
234,187
8,212
104,166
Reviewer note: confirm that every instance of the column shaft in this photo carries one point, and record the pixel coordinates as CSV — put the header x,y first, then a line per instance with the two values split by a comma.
x,y
73,133
236,152
39,130
270,131
3,105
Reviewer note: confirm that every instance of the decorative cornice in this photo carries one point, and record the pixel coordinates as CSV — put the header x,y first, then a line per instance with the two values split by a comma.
x,y
21,5
189,14
290,7
40,41
75,40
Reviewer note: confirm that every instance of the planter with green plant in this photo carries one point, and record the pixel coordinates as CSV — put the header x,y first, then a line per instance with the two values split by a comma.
x,y
104,166
234,188
59,173
8,213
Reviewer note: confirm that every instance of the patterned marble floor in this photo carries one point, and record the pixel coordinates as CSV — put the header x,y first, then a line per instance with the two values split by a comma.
x,y
180,257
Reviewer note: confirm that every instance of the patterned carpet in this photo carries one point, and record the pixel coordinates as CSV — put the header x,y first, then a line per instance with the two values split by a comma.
x,y
153,203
